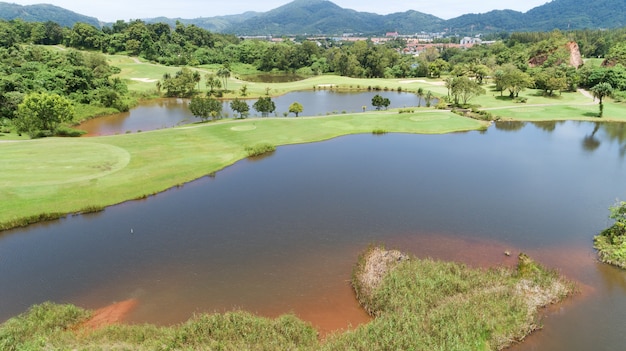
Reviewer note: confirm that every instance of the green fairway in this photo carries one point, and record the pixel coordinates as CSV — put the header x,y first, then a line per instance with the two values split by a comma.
x,y
60,175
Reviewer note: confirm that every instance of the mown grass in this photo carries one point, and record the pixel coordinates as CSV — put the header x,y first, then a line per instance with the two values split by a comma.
x,y
421,304
61,175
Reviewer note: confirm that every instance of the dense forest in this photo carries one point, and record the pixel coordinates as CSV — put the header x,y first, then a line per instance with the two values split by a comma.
x,y
77,68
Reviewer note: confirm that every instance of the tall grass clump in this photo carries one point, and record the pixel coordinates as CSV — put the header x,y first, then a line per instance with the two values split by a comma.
x,y
423,304
38,328
611,242
259,149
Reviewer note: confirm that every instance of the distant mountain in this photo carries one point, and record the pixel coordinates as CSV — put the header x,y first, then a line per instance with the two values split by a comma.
x,y
324,17
44,13
314,17
214,24
557,14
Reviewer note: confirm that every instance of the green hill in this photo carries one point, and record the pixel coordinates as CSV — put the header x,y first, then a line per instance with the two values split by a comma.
x,y
44,13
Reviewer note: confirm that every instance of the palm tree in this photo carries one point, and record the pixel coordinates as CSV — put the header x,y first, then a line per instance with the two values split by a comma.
x,y
420,94
197,78
600,91
224,73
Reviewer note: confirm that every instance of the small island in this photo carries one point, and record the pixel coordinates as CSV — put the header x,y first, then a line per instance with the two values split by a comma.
x,y
611,242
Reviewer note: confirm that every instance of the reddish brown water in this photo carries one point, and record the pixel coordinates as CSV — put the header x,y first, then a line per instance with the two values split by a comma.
x,y
282,234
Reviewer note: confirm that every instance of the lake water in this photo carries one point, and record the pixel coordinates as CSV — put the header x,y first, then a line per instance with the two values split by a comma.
x,y
281,234
166,113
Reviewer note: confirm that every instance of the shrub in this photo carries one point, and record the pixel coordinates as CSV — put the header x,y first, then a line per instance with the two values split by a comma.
x,y
259,149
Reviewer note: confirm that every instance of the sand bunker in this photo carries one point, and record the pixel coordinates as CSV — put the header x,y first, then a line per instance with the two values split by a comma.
x,y
243,128
144,80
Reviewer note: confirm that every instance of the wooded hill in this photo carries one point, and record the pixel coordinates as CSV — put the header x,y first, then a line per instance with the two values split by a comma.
x,y
44,13
313,17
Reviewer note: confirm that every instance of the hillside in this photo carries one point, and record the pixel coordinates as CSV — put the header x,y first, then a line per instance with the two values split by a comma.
x,y
44,13
214,24
325,17
557,14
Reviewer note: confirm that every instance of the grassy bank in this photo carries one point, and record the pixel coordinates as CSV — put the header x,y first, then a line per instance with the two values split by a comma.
x,y
43,178
418,304
611,242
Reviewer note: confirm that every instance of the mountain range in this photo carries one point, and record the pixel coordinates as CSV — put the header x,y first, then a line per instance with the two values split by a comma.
x,y
323,17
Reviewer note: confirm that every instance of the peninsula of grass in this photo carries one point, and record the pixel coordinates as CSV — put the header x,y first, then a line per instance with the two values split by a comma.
x,y
43,178
418,304
611,242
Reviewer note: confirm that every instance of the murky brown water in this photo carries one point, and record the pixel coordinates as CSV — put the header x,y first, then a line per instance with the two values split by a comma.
x,y
281,234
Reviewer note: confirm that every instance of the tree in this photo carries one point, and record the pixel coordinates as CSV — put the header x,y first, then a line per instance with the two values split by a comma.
x,y
380,102
212,82
240,107
205,107
265,105
511,78
244,90
296,108
463,89
600,91
182,84
43,112
437,67
224,73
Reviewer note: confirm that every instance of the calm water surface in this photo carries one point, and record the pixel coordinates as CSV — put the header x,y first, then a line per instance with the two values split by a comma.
x,y
281,234
166,113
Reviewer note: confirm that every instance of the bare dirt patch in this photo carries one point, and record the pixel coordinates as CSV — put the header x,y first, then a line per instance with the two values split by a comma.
x,y
111,314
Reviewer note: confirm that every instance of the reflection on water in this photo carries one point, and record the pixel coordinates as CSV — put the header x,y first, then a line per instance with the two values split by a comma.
x,y
282,234
167,113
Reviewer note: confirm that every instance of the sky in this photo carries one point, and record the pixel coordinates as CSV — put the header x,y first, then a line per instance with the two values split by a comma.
x,y
112,10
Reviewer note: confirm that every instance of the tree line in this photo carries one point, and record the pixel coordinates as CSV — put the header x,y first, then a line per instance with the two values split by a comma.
x,y
518,62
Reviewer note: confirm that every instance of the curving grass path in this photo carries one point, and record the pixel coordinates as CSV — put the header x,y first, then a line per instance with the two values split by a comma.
x,y
51,177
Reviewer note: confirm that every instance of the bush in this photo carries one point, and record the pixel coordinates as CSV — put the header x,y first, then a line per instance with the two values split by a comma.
x,y
259,149
69,132
611,242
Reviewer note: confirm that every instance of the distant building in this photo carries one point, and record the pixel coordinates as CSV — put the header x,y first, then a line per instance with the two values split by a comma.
x,y
470,41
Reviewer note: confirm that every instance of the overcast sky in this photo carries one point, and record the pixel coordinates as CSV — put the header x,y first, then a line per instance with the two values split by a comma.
x,y
111,10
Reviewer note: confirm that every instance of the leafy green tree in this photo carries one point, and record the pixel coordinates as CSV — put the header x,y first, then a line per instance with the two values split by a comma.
x,y
601,91
550,79
182,84
380,102
212,82
244,90
265,105
296,108
205,108
43,113
464,89
241,107
511,78
437,67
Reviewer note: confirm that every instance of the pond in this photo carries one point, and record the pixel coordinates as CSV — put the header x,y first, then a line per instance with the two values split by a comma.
x,y
166,113
281,234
